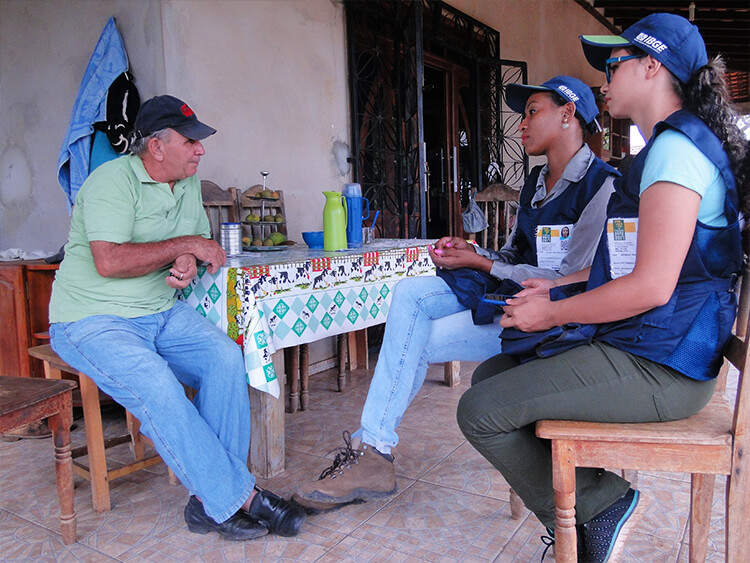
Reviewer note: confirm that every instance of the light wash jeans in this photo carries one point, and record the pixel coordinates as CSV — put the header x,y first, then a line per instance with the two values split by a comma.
x,y
141,362
426,324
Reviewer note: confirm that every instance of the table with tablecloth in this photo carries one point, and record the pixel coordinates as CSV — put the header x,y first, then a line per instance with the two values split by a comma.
x,y
269,300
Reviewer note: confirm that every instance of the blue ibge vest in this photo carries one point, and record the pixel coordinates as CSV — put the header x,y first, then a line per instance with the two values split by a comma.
x,y
564,209
470,285
690,331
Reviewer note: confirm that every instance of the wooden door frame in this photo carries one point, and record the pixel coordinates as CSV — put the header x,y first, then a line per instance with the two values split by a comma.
x,y
452,98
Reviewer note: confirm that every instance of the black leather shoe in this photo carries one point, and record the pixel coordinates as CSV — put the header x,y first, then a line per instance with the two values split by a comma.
x,y
282,517
237,528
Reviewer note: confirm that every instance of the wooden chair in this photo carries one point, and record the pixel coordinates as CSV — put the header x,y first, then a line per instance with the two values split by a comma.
x,y
712,442
497,201
96,471
28,399
220,206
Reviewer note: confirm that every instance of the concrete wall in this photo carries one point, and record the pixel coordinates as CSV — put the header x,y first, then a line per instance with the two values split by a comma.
x,y
544,33
269,75
44,49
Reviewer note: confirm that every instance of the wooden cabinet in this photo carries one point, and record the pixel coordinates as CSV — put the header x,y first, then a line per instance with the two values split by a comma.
x,y
25,289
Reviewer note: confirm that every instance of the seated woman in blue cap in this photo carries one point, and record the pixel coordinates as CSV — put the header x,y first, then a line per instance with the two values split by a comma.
x,y
430,323
654,317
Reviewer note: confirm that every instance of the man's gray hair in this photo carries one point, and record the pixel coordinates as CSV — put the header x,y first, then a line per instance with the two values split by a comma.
x,y
139,146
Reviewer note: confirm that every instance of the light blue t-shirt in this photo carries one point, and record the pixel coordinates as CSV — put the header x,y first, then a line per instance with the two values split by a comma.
x,y
674,158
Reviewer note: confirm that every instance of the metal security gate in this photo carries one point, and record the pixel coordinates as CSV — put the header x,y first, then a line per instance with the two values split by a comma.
x,y
421,183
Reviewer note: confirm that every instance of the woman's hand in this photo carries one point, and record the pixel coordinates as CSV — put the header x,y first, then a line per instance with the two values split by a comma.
x,y
451,258
536,286
456,243
529,314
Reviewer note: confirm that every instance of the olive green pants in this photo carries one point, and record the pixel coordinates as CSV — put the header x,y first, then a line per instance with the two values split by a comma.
x,y
594,382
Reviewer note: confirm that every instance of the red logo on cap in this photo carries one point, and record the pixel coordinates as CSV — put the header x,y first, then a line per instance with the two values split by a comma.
x,y
186,111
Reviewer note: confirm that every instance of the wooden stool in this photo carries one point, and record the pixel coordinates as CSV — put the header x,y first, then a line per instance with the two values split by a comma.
x,y
27,399
96,472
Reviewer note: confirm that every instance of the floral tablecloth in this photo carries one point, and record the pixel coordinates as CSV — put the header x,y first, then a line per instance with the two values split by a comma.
x,y
267,301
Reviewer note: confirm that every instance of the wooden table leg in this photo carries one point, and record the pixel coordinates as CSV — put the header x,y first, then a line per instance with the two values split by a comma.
x,y
363,356
60,424
452,373
304,374
267,433
351,343
341,342
291,359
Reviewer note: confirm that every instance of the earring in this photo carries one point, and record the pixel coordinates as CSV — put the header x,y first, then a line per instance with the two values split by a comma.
x,y
565,124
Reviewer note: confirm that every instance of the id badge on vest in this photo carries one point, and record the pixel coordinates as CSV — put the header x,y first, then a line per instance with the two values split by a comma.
x,y
622,236
552,243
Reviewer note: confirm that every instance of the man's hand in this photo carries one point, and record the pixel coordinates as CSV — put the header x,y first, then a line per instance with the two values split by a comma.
x,y
211,252
182,272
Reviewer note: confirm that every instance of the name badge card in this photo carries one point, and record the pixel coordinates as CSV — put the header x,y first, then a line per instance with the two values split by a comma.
x,y
622,236
552,245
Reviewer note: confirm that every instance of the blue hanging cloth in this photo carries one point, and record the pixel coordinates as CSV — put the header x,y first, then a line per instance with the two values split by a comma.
x,y
107,62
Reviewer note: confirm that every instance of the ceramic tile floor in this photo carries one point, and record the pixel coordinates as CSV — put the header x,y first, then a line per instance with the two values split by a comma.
x,y
451,505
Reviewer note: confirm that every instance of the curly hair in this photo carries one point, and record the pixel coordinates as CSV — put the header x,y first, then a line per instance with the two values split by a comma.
x,y
707,96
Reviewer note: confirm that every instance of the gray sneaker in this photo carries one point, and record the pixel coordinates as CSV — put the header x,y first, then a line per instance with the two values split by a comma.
x,y
358,473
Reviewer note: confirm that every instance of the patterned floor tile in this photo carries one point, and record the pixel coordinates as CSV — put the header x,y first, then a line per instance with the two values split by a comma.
x,y
451,505
435,523
466,470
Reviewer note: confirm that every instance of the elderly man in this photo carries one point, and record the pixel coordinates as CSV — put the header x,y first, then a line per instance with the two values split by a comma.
x,y
138,228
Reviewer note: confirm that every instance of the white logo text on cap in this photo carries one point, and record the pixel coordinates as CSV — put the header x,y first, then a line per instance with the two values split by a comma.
x,y
568,93
653,42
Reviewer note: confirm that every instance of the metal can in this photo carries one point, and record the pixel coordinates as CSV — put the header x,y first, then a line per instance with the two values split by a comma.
x,y
231,238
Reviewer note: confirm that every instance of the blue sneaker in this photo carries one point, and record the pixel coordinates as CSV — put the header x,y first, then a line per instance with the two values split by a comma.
x,y
599,535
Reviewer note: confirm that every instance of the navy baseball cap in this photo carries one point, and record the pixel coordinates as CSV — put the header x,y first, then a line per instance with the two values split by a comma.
x,y
571,89
162,112
670,39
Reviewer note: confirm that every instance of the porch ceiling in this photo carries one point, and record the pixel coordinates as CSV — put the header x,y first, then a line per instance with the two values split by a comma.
x,y
724,24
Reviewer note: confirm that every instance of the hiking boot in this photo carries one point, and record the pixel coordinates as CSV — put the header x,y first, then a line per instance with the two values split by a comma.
x,y
358,473
599,535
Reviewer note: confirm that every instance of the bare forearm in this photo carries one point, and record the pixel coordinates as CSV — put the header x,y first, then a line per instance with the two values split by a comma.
x,y
619,299
128,260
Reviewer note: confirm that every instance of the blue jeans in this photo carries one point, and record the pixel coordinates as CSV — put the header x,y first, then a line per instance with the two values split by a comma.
x,y
141,363
426,324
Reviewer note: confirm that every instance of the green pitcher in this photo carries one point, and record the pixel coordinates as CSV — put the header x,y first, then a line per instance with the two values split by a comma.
x,y
334,222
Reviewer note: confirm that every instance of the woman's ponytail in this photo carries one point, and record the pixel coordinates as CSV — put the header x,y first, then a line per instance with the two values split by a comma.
x,y
707,96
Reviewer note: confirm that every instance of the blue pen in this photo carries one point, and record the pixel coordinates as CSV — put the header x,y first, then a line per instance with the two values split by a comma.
x,y
375,218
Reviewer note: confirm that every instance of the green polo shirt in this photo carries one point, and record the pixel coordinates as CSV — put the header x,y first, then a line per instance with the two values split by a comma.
x,y
119,202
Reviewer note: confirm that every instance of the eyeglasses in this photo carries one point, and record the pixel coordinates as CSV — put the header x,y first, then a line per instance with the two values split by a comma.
x,y
609,70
